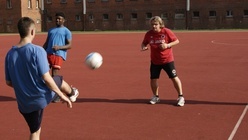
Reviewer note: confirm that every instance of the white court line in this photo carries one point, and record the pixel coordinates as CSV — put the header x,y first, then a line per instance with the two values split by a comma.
x,y
238,123
223,43
231,42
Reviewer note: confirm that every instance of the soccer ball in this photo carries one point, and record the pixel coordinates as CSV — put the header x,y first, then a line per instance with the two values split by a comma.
x,y
94,60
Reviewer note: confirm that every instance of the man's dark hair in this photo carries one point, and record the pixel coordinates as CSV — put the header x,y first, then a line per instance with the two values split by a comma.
x,y
60,14
23,26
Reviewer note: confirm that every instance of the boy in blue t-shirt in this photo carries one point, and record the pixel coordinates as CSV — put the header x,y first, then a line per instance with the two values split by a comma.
x,y
58,41
27,72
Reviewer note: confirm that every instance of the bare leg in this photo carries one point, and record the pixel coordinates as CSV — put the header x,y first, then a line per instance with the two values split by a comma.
x,y
71,92
154,86
178,85
65,88
35,135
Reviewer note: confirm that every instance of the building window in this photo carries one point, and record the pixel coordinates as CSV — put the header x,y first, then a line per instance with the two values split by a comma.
x,y
148,15
196,14
91,17
179,16
245,13
78,18
105,16
229,13
164,16
49,1
9,4
49,19
62,1
104,0
29,4
119,0
212,13
91,0
78,1
134,16
9,22
37,4
119,16
38,21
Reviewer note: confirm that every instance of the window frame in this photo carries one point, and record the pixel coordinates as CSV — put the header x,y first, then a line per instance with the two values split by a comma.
x,y
9,4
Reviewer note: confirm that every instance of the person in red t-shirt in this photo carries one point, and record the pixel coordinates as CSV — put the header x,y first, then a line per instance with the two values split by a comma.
x,y
161,40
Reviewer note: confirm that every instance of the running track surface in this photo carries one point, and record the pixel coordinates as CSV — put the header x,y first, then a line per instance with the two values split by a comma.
x,y
113,101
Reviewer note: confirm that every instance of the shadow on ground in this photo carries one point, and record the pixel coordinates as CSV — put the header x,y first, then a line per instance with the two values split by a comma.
x,y
146,101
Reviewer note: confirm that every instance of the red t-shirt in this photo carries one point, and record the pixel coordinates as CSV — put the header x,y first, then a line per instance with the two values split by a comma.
x,y
154,39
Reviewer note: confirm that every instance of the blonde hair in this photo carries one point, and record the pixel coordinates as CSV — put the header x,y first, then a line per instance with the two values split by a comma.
x,y
157,19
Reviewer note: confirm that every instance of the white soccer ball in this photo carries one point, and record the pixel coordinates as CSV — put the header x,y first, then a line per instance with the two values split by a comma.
x,y
94,60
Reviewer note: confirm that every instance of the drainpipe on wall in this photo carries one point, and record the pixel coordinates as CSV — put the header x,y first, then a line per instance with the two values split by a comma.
x,y
42,16
187,13
84,13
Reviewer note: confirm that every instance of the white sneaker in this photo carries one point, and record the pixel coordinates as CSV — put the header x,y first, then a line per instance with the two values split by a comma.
x,y
73,98
180,101
154,100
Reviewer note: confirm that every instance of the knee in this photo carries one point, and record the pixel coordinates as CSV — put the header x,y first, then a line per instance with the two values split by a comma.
x,y
153,82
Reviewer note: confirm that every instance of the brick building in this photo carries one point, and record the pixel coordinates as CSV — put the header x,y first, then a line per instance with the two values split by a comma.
x,y
104,15
12,10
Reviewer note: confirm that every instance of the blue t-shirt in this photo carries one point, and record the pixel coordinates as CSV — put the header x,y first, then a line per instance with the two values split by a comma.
x,y
58,36
24,67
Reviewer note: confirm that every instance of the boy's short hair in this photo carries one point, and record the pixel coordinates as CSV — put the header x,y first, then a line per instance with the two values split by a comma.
x,y
24,25
60,14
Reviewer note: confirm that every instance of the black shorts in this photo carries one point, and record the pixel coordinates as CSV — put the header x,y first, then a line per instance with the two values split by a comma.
x,y
169,68
33,120
58,80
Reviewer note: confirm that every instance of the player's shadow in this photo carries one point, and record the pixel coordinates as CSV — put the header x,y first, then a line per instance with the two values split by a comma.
x,y
6,98
146,101
124,101
138,101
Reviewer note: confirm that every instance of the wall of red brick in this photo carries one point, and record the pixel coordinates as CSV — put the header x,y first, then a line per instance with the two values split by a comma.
x,y
170,8
33,12
70,9
10,16
45,19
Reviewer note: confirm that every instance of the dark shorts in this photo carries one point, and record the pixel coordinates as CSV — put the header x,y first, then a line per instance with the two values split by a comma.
x,y
55,61
58,80
34,119
169,68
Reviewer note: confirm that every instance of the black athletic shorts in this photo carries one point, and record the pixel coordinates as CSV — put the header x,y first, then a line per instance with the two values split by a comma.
x,y
169,68
33,120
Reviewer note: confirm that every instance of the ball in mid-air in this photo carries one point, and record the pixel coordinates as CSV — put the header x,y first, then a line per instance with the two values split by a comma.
x,y
94,60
